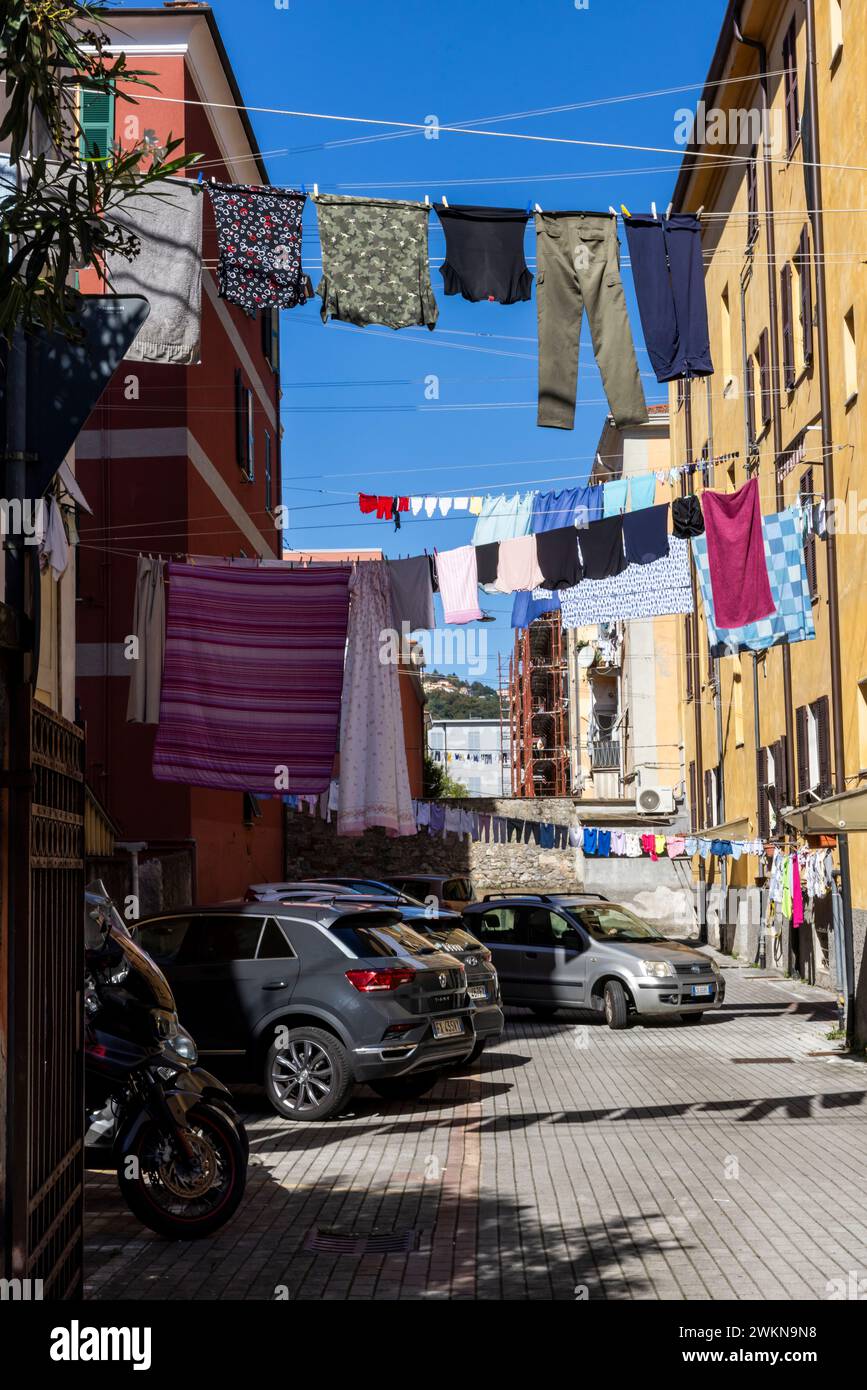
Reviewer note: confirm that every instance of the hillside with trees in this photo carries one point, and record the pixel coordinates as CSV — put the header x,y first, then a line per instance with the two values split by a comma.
x,y
450,697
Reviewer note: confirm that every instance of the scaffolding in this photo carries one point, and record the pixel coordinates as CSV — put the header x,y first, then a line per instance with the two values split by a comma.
x,y
538,716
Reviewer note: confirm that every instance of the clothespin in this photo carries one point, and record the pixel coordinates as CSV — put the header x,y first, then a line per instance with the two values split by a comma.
x,y
653,210
316,190
427,200
538,207
611,210
445,201
668,211
700,211
625,210
201,177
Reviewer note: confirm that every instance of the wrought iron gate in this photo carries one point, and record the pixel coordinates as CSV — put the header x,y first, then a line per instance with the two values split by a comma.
x,y
46,1112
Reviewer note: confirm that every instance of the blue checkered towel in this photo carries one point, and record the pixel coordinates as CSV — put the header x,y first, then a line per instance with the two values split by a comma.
x,y
787,570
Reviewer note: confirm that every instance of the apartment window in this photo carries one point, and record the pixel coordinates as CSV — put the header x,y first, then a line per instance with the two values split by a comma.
x,y
780,795
726,336
96,118
269,481
804,322
680,393
752,198
835,24
813,729
711,796
805,491
244,441
862,724
763,364
763,805
790,87
693,798
850,357
788,331
738,705
270,319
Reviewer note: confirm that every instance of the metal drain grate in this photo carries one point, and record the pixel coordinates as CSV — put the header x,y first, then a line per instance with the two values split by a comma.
x,y
759,1061
324,1240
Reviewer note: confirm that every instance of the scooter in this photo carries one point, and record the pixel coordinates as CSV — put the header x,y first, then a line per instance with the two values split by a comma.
x,y
178,1147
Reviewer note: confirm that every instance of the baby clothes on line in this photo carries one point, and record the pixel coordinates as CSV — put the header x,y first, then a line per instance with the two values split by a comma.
x,y
374,261
458,581
687,519
259,246
485,253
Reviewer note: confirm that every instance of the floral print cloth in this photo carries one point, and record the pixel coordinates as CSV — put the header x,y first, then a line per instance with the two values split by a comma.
x,y
374,261
259,242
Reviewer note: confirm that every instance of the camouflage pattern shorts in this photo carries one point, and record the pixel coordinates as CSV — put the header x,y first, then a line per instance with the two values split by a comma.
x,y
374,261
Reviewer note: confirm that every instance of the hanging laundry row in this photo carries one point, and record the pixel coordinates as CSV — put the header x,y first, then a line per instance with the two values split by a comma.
x,y
375,271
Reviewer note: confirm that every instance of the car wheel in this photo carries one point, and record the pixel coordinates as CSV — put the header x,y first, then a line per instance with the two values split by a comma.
x,y
405,1087
307,1075
616,1006
691,1018
543,1010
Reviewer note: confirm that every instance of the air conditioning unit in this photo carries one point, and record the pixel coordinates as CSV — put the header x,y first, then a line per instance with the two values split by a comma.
x,y
655,800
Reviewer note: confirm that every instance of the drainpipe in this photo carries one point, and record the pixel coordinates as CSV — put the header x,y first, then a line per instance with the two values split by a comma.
x,y
818,229
776,375
717,697
692,638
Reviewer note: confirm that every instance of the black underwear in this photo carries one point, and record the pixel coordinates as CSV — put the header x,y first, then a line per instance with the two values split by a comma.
x,y
485,253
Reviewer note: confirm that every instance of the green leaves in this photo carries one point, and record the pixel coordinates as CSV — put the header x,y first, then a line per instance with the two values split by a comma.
x,y
57,219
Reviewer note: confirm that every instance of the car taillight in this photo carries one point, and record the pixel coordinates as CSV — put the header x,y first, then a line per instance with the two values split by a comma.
x,y
374,981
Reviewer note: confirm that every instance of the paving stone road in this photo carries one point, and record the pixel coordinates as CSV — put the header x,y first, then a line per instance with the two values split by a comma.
x,y
664,1162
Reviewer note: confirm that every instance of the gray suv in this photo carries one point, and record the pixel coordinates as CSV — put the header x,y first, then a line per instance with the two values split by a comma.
x,y
310,998
581,952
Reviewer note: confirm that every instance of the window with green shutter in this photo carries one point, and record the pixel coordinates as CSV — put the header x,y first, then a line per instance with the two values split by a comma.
x,y
97,122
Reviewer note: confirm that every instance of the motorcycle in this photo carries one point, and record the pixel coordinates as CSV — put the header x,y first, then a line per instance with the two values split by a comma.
x,y
178,1147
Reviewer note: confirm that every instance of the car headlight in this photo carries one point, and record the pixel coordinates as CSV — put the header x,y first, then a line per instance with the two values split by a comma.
x,y
657,967
715,968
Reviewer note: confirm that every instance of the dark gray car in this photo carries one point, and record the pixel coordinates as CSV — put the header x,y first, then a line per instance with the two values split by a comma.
x,y
443,928
310,998
578,951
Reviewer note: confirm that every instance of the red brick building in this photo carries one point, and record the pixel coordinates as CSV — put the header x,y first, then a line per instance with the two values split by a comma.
x,y
178,460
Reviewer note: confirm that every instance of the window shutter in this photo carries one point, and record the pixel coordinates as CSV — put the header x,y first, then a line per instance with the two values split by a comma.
x,y
821,713
806,494
788,336
790,71
693,799
763,816
752,198
690,691
806,305
751,403
781,763
240,421
96,116
802,736
764,376
708,798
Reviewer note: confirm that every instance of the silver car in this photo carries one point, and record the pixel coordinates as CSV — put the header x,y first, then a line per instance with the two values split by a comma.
x,y
556,951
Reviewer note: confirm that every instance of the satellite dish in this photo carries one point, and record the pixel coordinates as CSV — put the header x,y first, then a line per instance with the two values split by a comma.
x,y
586,657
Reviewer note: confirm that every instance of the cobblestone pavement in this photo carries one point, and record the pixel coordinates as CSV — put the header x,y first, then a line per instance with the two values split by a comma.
x,y
664,1162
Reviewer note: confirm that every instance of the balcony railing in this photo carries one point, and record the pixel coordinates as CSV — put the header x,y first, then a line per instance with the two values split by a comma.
x,y
605,753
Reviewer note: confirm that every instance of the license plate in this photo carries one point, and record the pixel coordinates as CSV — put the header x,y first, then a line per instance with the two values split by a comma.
x,y
702,989
448,1027
478,992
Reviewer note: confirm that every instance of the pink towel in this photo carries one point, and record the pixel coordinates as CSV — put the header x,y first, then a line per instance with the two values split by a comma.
x,y
736,556
458,577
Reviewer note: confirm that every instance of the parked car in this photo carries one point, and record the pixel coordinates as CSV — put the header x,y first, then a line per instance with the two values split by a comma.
x,y
450,890
445,930
311,998
579,952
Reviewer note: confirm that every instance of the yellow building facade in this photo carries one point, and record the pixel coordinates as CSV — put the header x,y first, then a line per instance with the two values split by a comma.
x,y
786,282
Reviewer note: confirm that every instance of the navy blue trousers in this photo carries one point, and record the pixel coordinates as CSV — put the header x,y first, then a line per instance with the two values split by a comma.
x,y
669,284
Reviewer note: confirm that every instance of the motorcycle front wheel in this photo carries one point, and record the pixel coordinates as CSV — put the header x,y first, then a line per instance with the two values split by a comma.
x,y
181,1197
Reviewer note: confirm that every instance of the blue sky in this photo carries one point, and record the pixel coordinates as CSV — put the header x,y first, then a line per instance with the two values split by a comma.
x,y
354,408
